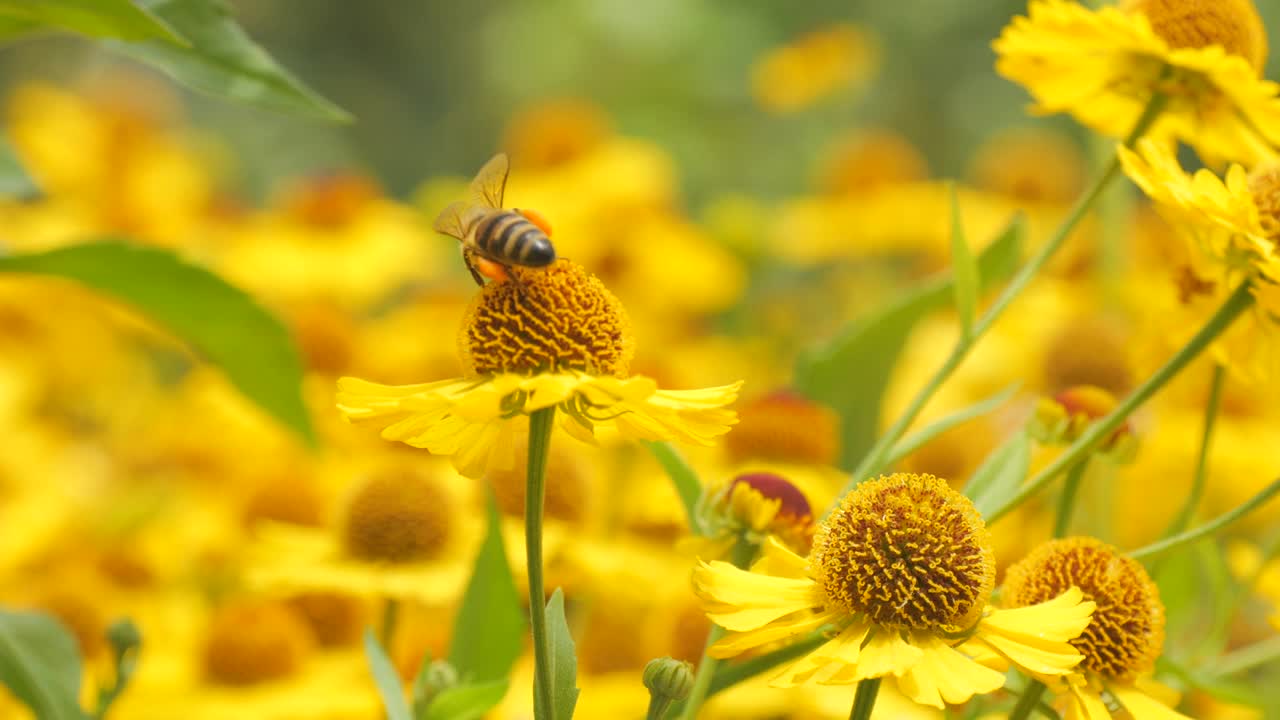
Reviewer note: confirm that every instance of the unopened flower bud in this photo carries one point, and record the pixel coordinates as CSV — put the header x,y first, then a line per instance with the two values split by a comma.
x,y
1063,418
668,680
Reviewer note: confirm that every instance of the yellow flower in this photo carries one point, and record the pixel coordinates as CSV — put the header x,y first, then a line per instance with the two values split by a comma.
x,y
1232,230
814,66
1124,637
902,572
1103,66
753,507
552,338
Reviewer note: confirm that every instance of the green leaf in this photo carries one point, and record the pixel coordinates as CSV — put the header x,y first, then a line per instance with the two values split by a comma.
x,y
120,19
223,61
564,663
466,702
14,180
964,268
850,372
40,664
386,678
219,321
917,439
683,477
1000,475
490,625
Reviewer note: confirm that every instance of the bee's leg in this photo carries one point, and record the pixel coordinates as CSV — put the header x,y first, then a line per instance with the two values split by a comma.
x,y
514,277
469,260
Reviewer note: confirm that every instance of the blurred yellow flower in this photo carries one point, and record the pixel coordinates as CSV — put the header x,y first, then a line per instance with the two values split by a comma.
x,y
813,67
550,338
1104,66
862,578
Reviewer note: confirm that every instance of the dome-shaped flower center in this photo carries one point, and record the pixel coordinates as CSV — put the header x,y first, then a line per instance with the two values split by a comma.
x,y
335,619
1087,351
1233,24
1030,165
1127,631
909,552
567,489
1264,185
557,318
788,427
254,642
397,517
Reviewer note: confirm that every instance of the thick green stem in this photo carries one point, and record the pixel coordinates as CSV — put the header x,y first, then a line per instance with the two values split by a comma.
x,y
874,459
1184,516
1159,548
1101,429
1067,503
865,700
1028,700
540,425
742,556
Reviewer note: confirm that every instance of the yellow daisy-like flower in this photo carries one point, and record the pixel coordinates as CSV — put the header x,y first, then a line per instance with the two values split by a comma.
x,y
1103,66
902,572
552,338
814,66
1122,641
753,507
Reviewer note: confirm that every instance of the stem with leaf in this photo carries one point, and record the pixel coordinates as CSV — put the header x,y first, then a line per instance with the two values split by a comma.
x,y
1202,462
874,460
744,552
1101,429
541,423
1067,503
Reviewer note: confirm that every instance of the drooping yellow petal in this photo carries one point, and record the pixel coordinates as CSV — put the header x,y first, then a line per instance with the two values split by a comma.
x,y
735,643
1142,706
836,656
887,653
944,675
778,560
1084,703
1037,637
740,600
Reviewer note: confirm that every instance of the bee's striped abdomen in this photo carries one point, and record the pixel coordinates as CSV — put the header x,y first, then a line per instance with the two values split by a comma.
x,y
508,237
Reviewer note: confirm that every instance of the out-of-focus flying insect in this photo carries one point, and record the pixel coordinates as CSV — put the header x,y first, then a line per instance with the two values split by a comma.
x,y
493,238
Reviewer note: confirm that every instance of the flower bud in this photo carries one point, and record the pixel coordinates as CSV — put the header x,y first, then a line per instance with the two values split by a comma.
x,y
668,680
1063,418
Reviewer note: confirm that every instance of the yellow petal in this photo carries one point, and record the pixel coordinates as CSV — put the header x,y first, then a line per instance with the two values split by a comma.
x,y
944,675
1142,706
735,643
1060,619
740,600
837,655
1085,704
887,653
777,559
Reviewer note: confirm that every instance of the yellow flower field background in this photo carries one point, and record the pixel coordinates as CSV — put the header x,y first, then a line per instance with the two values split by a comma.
x,y
897,360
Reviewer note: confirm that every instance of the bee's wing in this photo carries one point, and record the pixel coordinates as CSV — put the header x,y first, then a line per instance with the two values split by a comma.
x,y
450,222
487,188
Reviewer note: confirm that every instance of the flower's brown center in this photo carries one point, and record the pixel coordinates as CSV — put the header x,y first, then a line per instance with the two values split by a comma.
x,y
909,552
287,498
557,318
397,517
788,427
1031,166
1126,634
254,642
1087,351
335,619
567,490
1233,24
870,160
1264,185
555,133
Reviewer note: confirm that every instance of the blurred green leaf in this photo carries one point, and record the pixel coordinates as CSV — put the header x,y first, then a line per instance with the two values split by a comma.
x,y
40,664
564,661
14,180
466,702
1199,595
490,625
1001,474
223,61
386,678
917,439
683,477
219,321
120,19
850,372
964,268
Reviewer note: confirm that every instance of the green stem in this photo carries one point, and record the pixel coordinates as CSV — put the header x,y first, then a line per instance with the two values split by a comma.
x,y
540,425
390,618
1184,516
1067,503
873,461
1101,429
1028,700
743,554
865,700
1248,657
1159,548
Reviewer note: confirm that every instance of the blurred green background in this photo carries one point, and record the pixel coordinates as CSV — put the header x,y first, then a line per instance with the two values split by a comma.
x,y
432,83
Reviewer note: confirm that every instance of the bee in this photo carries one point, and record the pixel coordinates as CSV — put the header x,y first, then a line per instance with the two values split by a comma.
x,y
494,238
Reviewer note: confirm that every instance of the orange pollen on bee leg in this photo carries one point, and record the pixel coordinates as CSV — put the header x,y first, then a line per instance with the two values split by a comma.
x,y
538,219
492,270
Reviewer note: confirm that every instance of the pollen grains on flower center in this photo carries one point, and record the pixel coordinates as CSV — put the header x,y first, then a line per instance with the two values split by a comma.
x,y
1126,634
1233,24
547,319
397,516
255,641
1264,186
909,552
